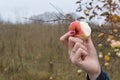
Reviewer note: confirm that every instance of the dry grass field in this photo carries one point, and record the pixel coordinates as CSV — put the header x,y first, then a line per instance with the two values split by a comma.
x,y
34,52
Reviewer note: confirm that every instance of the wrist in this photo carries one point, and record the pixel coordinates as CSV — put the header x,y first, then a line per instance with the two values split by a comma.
x,y
94,76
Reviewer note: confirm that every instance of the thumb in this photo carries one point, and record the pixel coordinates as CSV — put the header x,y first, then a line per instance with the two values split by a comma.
x,y
90,46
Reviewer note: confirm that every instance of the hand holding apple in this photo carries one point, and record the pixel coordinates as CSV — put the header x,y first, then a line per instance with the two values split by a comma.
x,y
81,48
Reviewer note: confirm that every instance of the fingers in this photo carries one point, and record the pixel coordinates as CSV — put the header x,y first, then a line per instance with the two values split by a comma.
x,y
68,36
71,43
78,45
78,56
77,50
73,40
65,37
75,43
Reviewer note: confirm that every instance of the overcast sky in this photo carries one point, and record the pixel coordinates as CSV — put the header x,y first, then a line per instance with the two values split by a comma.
x,y
16,9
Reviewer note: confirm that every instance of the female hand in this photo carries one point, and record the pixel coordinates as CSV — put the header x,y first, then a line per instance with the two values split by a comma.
x,y
83,54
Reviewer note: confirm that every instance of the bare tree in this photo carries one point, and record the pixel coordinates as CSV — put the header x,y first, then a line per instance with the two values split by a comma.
x,y
106,11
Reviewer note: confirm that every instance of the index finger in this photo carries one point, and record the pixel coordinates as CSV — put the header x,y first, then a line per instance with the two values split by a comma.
x,y
65,37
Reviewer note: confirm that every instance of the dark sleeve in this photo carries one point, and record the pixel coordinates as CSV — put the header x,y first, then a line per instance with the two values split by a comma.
x,y
102,76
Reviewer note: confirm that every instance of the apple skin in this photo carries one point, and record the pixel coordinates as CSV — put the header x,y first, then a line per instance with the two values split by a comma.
x,y
76,29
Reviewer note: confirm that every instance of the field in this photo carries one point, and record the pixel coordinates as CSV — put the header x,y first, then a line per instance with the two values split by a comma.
x,y
34,52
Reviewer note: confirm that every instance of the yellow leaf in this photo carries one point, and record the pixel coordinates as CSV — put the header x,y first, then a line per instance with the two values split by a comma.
x,y
109,1
100,55
79,71
100,45
118,54
105,14
115,30
109,53
107,58
50,78
115,17
106,64
110,36
101,34
86,12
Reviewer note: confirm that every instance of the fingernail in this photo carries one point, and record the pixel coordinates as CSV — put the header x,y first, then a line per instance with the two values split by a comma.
x,y
72,33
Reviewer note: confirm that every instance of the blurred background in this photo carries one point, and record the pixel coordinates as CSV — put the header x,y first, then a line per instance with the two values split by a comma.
x,y
29,38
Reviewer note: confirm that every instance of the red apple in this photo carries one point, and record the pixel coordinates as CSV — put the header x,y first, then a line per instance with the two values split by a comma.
x,y
80,29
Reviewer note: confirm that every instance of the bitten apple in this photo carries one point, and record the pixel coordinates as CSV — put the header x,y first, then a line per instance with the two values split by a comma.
x,y
80,29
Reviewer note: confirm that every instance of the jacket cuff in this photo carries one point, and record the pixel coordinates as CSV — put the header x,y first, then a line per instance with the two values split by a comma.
x,y
102,76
